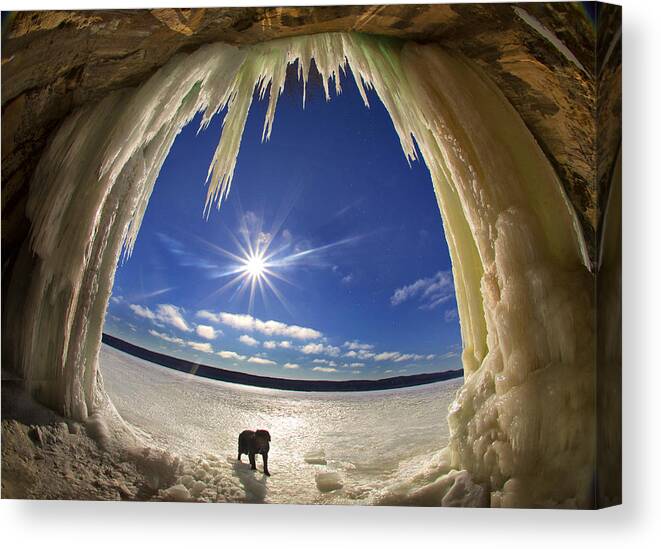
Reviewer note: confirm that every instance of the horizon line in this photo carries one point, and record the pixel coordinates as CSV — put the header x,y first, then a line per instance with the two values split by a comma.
x,y
269,382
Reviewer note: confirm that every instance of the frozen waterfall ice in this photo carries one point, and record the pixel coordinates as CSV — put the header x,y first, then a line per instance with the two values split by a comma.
x,y
522,426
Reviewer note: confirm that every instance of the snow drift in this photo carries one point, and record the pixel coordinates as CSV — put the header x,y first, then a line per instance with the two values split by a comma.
x,y
523,424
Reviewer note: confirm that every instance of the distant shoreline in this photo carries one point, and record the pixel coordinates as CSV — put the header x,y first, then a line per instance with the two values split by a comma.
x,y
306,385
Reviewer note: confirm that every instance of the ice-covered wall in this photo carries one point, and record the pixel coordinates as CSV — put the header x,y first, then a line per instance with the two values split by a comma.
x,y
523,424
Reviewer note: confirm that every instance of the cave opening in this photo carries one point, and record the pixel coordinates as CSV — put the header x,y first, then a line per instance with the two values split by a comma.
x,y
357,286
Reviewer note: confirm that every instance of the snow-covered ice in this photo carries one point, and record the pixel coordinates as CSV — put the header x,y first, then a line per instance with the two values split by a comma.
x,y
325,448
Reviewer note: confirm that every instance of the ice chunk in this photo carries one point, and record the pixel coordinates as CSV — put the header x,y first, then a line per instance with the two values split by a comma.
x,y
178,492
316,457
197,488
464,492
328,482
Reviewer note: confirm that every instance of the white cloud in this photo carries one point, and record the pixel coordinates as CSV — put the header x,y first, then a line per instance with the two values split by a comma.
x,y
273,327
165,314
166,337
207,315
450,315
387,356
356,365
198,346
430,292
250,226
357,346
324,361
207,332
231,355
291,366
270,344
260,360
348,279
323,369
238,322
172,315
449,354
313,349
330,350
430,357
144,312
267,327
397,357
409,356
320,349
247,340
362,354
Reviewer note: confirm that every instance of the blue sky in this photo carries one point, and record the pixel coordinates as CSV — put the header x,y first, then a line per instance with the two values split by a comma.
x,y
360,266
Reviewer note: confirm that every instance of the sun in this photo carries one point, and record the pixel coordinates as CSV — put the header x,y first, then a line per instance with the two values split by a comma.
x,y
255,265
252,268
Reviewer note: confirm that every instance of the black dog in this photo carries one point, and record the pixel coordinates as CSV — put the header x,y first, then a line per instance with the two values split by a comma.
x,y
253,443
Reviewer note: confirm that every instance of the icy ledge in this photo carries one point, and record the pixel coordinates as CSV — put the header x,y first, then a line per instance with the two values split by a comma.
x,y
522,425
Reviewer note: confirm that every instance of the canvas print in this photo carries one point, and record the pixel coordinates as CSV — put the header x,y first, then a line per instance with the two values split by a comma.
x,y
356,255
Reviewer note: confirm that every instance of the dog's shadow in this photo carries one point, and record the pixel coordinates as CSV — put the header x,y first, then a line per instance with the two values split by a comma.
x,y
254,482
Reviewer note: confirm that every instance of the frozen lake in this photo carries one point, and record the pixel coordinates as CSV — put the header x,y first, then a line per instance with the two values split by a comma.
x,y
361,441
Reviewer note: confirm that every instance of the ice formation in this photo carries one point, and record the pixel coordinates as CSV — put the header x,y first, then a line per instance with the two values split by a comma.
x,y
328,481
523,424
317,457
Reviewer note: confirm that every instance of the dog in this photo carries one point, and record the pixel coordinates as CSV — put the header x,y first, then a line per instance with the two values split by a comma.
x,y
253,443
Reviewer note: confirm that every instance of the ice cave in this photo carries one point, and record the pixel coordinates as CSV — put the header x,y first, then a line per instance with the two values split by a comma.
x,y
530,213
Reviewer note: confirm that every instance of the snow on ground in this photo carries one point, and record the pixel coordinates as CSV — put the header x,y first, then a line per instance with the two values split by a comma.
x,y
326,447
45,456
377,447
